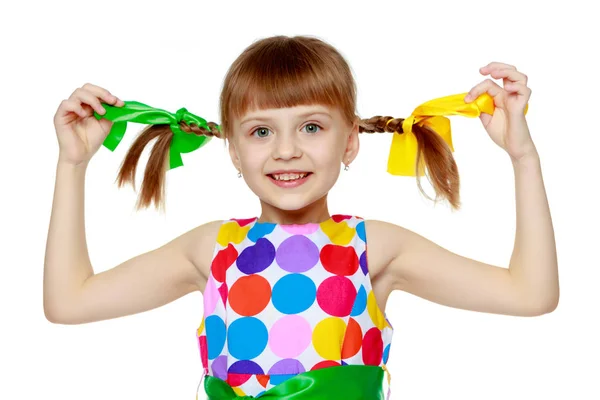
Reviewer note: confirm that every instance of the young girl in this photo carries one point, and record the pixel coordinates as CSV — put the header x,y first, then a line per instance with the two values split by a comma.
x,y
294,300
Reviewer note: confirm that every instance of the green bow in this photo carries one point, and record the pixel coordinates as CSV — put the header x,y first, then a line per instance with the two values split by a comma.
x,y
134,111
344,382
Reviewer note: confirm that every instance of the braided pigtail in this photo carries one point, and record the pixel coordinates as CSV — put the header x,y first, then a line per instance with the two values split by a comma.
x,y
153,183
432,149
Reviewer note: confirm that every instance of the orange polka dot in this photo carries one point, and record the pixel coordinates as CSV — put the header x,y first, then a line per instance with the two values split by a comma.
x,y
262,379
352,339
249,295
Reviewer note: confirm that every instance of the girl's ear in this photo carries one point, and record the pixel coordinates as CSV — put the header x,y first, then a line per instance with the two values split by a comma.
x,y
352,145
234,155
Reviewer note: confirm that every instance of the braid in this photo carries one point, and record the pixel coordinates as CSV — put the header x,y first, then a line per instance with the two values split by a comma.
x,y
379,124
198,130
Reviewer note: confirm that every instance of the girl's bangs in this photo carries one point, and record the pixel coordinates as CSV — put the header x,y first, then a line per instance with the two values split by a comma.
x,y
282,85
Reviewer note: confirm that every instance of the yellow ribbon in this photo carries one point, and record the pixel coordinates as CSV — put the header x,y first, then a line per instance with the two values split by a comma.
x,y
403,152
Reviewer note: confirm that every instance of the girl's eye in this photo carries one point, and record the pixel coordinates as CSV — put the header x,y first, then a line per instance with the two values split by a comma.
x,y
261,132
313,130
264,132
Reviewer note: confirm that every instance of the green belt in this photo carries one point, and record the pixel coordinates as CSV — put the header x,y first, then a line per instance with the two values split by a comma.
x,y
347,382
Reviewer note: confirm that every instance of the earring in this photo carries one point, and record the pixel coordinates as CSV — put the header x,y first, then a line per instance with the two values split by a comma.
x,y
239,174
346,167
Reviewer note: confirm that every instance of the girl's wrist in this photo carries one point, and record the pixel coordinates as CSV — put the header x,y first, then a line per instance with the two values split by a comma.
x,y
63,163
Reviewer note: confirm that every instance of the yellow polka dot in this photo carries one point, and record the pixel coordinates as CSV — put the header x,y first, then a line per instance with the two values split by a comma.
x,y
328,336
239,391
201,328
374,312
231,232
338,232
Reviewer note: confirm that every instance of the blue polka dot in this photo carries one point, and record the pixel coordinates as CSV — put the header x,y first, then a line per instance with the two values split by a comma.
x,y
386,353
360,302
344,362
277,379
260,394
294,293
215,335
360,230
246,338
259,230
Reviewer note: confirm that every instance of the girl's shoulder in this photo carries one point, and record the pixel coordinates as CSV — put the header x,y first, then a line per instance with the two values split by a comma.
x,y
201,244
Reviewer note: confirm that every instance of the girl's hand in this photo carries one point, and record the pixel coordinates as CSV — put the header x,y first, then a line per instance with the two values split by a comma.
x,y
507,127
79,133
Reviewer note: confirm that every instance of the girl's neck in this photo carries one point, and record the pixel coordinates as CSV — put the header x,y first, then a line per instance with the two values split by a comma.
x,y
314,213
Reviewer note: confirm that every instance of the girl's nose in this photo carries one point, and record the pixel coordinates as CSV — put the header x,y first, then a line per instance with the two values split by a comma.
x,y
286,147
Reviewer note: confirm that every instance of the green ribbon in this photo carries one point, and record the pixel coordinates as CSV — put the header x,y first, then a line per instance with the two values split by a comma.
x,y
344,382
134,111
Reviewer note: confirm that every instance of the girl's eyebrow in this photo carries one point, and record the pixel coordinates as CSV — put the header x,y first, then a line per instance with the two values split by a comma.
x,y
307,114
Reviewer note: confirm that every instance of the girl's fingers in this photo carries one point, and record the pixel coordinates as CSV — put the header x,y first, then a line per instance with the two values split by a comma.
x,y
74,106
101,93
509,74
515,87
488,86
495,65
89,98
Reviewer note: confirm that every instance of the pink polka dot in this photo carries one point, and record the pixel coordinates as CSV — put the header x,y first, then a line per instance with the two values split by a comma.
x,y
290,336
336,296
211,296
304,229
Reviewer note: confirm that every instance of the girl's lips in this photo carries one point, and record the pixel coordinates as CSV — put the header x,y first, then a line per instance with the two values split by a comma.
x,y
290,183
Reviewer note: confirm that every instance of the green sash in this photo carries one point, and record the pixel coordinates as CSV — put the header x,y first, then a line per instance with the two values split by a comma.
x,y
347,382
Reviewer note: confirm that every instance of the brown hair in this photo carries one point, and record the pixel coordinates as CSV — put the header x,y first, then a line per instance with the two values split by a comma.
x,y
282,71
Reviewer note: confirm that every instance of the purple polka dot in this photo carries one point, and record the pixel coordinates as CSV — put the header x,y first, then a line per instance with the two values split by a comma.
x,y
219,367
297,254
363,262
245,367
287,366
256,258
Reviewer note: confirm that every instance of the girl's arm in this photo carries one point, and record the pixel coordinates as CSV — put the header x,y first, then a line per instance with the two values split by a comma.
x,y
528,287
73,294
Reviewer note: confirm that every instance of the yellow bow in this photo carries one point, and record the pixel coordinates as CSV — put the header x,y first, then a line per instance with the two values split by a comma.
x,y
403,152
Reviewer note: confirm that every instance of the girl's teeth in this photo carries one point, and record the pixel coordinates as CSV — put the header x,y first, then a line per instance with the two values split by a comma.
x,y
288,177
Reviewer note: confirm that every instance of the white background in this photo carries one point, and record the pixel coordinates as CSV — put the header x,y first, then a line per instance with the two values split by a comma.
x,y
175,54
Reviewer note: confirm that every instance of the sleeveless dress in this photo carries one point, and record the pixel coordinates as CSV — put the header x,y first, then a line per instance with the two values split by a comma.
x,y
284,299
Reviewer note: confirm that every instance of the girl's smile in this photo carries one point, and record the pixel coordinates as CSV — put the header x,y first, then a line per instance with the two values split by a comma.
x,y
289,179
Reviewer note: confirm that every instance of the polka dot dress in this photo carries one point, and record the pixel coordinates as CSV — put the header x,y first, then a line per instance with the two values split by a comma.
x,y
284,299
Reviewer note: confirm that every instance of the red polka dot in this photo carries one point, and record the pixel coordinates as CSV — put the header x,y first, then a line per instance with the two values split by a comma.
x,y
244,221
249,295
223,292
235,379
339,260
325,364
352,339
223,260
340,217
372,350
336,296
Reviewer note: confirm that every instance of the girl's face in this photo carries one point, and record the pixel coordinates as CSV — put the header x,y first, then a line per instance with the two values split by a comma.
x,y
291,157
